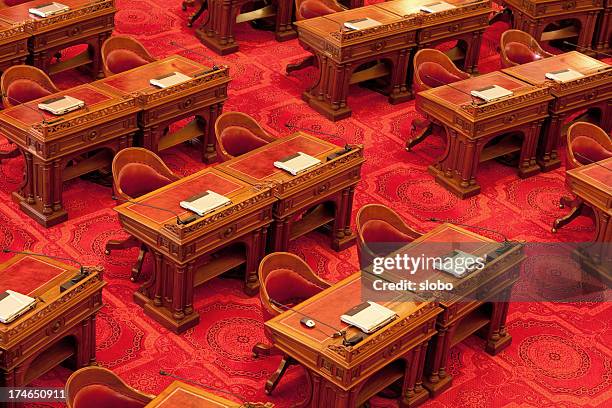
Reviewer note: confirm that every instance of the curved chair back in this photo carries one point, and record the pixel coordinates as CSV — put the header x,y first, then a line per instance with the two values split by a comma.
x,y
286,279
518,47
24,83
101,388
433,68
138,171
586,143
379,224
121,53
237,133
305,9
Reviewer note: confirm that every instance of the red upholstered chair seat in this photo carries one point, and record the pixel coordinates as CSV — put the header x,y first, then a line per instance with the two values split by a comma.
x,y
435,75
123,60
590,149
288,288
315,8
25,90
137,179
520,53
238,140
101,396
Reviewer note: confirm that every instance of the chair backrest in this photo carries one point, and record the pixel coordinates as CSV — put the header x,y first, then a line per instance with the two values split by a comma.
x,y
518,47
585,143
24,83
121,53
101,388
281,265
432,68
305,9
237,133
379,224
138,171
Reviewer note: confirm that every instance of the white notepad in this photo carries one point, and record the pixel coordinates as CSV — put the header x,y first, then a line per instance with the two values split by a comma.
x,y
49,9
564,75
206,202
168,80
458,263
368,317
436,7
297,163
14,304
491,93
361,23
61,105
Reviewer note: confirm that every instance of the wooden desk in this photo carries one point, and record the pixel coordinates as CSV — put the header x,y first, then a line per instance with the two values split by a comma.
x,y
61,328
60,148
13,45
186,256
88,22
593,184
603,41
479,301
471,128
534,16
181,395
340,53
594,91
349,376
217,32
202,97
318,197
465,24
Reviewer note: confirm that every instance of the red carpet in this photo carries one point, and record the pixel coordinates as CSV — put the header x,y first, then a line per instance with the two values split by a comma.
x,y
560,355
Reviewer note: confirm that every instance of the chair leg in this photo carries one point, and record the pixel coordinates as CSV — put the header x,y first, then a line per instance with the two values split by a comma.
x,y
306,62
192,19
261,349
114,244
566,219
417,136
137,268
275,378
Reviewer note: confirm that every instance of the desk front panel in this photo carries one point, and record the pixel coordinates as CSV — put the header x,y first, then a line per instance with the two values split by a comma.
x,y
544,9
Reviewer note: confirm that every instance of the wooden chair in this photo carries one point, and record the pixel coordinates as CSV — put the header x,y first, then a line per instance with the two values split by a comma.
x,y
21,84
379,225
517,47
136,172
432,68
237,133
121,53
579,154
305,9
99,387
286,279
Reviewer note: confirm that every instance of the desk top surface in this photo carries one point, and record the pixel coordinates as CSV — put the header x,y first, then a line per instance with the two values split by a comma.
x,y
181,395
30,274
535,72
20,14
258,165
595,175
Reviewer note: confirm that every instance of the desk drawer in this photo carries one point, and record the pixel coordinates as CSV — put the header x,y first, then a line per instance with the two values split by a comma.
x,y
451,30
73,32
379,46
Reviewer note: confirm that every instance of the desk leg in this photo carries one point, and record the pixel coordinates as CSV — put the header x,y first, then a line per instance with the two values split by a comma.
x,y
548,158
217,31
436,378
255,253
606,113
497,336
279,239
472,52
413,393
400,91
602,43
284,28
328,94
209,140
342,235
527,161
40,194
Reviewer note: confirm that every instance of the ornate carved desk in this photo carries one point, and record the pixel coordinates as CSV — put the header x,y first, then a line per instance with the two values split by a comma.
x,y
593,184
603,39
202,96
13,45
217,32
349,376
61,328
181,395
466,24
534,16
320,196
340,53
185,256
88,22
593,91
481,132
60,148
478,302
